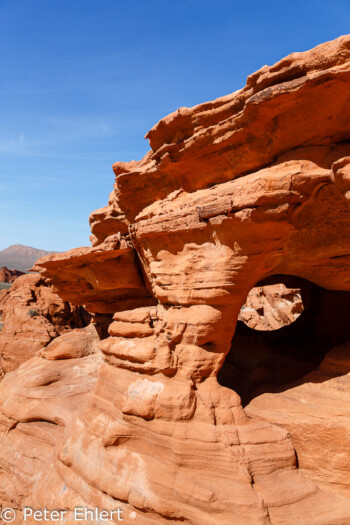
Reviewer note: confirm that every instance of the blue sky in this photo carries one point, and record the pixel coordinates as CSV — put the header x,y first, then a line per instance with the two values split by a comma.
x,y
82,81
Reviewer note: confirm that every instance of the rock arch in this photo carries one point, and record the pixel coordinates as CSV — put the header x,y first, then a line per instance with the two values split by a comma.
x,y
274,357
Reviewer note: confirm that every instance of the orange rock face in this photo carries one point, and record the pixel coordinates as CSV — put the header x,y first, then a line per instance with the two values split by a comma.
x,y
250,186
32,315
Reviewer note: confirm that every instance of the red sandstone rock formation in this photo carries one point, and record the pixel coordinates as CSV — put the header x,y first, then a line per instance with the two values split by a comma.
x,y
251,185
32,315
8,276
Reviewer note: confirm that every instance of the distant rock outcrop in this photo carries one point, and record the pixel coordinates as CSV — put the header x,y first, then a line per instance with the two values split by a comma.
x,y
271,307
8,276
21,257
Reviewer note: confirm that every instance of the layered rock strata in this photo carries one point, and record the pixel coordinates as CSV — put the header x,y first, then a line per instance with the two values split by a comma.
x,y
233,191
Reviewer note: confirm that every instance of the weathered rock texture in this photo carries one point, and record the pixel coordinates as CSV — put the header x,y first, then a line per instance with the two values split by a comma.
x,y
32,315
37,401
8,276
271,307
251,185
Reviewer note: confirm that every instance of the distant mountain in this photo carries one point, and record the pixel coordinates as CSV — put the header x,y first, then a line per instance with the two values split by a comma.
x,y
19,257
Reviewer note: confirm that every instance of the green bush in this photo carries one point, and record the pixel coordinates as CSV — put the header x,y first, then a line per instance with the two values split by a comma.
x,y
5,286
32,312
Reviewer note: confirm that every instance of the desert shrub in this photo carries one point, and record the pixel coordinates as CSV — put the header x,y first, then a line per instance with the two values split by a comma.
x,y
5,286
32,312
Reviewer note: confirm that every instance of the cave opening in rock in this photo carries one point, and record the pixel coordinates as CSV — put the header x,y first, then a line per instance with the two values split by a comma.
x,y
272,350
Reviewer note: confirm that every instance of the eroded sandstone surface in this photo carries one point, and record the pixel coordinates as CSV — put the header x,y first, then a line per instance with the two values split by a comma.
x,y
252,185
31,316
38,400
